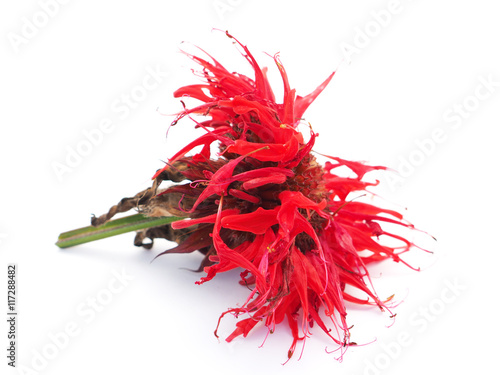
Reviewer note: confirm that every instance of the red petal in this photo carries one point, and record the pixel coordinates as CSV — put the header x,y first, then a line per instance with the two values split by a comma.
x,y
207,219
302,103
273,152
256,182
256,222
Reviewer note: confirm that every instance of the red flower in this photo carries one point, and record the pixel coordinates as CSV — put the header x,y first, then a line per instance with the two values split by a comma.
x,y
264,204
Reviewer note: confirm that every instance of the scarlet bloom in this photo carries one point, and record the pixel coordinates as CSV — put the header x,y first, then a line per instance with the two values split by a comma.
x,y
263,204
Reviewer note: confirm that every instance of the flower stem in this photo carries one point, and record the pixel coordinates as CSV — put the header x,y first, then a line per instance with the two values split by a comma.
x,y
112,228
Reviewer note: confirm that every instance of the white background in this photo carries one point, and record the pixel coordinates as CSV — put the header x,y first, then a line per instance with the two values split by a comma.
x,y
417,67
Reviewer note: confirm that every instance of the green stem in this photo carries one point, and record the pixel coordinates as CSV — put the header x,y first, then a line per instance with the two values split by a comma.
x,y
112,228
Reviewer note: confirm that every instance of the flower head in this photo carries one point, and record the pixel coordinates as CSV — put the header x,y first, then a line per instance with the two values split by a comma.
x,y
261,202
